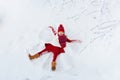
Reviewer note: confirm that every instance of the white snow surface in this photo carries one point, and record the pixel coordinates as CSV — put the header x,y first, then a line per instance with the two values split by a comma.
x,y
24,29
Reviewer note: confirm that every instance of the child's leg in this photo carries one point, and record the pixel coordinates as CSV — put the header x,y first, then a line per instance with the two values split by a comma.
x,y
44,50
37,54
53,64
47,49
55,55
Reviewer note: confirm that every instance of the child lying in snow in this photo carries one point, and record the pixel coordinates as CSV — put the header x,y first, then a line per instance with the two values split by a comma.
x,y
56,47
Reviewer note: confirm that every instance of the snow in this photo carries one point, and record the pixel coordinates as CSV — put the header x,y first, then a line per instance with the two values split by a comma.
x,y
24,29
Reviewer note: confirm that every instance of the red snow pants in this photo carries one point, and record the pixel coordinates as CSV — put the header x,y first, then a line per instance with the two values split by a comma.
x,y
54,49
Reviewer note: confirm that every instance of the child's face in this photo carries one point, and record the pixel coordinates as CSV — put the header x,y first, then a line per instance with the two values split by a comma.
x,y
61,33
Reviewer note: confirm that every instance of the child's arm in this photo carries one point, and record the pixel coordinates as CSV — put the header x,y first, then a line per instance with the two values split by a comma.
x,y
68,40
53,30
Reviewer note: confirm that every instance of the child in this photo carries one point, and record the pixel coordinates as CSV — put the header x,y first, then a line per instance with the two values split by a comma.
x,y
56,46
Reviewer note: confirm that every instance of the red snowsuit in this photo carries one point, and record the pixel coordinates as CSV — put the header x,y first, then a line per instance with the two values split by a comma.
x,y
55,49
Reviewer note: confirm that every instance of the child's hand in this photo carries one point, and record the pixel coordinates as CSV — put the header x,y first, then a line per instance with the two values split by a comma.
x,y
50,27
78,41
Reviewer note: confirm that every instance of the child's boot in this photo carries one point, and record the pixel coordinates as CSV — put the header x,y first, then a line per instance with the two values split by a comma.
x,y
33,56
53,66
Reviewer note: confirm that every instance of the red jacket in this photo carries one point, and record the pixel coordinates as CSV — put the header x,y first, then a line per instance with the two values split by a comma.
x,y
62,40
